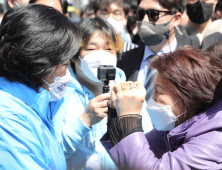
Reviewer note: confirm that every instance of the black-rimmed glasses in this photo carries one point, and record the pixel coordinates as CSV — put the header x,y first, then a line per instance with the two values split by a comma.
x,y
153,15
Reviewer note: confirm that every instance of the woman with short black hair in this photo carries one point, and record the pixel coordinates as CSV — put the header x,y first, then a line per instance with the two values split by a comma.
x,y
36,43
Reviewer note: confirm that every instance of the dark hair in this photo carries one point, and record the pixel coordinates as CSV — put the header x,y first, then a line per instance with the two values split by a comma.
x,y
104,4
89,26
89,9
193,75
171,5
83,10
64,4
216,50
218,6
133,4
1,9
34,39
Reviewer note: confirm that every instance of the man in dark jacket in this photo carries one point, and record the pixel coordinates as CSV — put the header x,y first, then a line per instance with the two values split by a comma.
x,y
159,29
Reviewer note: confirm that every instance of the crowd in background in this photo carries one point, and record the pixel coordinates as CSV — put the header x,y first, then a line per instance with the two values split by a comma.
x,y
165,100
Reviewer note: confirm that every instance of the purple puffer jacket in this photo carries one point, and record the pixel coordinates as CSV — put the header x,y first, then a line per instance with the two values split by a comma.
x,y
195,144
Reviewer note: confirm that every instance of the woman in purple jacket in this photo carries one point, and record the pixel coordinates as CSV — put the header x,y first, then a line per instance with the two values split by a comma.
x,y
188,130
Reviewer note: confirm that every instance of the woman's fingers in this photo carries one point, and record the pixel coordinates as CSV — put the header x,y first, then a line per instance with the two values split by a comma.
x,y
112,99
138,90
126,85
116,88
130,100
123,86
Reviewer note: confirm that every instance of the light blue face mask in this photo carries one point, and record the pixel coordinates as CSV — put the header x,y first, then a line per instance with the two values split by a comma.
x,y
162,117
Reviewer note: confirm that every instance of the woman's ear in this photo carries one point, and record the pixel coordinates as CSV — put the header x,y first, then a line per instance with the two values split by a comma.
x,y
177,19
11,3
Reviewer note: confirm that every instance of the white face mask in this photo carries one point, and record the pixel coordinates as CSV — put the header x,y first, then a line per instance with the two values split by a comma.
x,y
58,88
93,60
162,117
117,24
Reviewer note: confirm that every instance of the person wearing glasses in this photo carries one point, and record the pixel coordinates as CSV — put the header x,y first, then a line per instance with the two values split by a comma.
x,y
156,21
115,12
187,133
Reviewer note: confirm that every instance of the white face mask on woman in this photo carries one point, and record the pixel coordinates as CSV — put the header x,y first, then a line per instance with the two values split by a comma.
x,y
91,61
58,88
162,117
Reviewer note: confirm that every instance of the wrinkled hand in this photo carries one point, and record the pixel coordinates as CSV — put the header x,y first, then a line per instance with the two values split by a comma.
x,y
128,97
95,110
117,88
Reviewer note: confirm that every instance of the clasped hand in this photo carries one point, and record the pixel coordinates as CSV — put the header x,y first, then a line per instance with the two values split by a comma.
x,y
128,98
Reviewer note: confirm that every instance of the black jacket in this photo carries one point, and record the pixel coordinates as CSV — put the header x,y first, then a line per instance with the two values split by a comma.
x,y
131,60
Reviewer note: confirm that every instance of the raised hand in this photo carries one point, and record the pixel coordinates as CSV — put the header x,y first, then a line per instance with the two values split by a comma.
x,y
128,97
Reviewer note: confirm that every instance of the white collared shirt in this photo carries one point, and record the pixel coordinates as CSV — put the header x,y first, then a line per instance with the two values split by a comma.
x,y
144,67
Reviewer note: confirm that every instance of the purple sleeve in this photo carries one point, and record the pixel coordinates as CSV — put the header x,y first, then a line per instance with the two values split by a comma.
x,y
201,152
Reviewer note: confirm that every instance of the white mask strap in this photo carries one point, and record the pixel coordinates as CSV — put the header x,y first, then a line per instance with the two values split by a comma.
x,y
16,3
174,103
45,82
80,58
53,74
78,66
181,114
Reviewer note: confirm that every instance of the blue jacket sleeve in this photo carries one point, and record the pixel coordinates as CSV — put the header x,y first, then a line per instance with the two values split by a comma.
x,y
72,134
19,149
